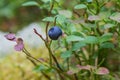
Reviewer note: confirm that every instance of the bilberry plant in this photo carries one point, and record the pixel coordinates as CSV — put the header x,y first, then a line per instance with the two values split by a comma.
x,y
82,52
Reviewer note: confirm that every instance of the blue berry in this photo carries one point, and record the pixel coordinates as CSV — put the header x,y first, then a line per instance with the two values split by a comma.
x,y
54,33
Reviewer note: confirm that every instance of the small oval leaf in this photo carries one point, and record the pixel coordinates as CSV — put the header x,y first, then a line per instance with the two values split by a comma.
x,y
107,45
49,19
91,40
66,54
80,6
30,3
74,38
78,45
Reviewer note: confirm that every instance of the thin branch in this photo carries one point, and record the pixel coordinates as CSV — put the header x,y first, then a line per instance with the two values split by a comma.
x,y
76,13
47,24
55,21
46,30
28,55
54,58
98,6
34,63
35,31
48,77
75,75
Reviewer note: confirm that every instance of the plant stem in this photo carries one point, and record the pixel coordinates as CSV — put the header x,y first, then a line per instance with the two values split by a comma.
x,y
30,56
61,77
75,75
91,75
77,56
90,10
55,21
46,30
35,31
68,65
52,56
48,77
34,63
98,7
47,24
96,62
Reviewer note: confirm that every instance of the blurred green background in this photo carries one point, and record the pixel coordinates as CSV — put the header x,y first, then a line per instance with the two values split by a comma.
x,y
13,16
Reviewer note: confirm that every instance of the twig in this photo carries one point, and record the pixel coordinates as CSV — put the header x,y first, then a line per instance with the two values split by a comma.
x,y
76,13
75,75
35,31
34,63
47,24
46,30
98,7
54,58
55,21
48,77
28,55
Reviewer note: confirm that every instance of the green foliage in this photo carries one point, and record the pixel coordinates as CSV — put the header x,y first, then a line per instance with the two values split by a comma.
x,y
107,45
49,19
78,45
91,40
8,8
74,38
80,6
40,68
91,34
66,54
88,33
30,3
61,19
105,37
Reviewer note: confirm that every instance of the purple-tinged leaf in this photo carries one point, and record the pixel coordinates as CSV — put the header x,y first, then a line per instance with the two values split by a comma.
x,y
10,37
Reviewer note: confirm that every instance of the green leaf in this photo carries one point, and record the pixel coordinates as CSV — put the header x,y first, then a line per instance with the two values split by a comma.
x,y
109,25
115,16
107,45
46,1
105,37
89,0
78,45
30,3
49,19
40,68
104,15
91,40
66,13
94,18
70,27
60,19
74,38
66,54
78,33
80,6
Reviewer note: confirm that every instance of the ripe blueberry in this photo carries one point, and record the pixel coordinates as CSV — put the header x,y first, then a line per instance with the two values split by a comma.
x,y
54,33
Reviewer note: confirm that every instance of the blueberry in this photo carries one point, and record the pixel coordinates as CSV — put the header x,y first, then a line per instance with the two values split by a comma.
x,y
54,33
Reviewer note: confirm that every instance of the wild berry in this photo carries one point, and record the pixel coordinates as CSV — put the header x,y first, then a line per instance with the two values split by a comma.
x,y
54,33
